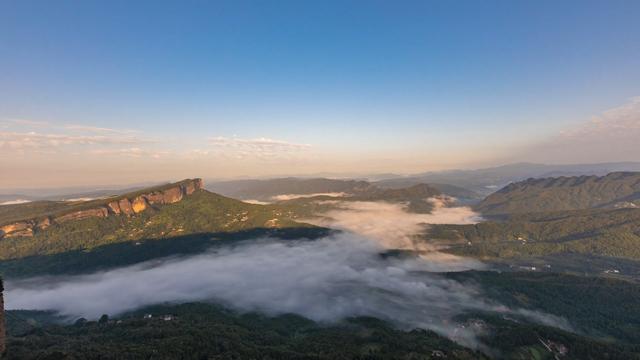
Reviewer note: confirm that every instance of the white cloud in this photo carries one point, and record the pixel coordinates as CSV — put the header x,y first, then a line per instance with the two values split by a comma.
x,y
390,224
264,149
611,136
256,144
95,129
325,280
15,202
134,152
619,122
285,197
26,123
20,136
32,140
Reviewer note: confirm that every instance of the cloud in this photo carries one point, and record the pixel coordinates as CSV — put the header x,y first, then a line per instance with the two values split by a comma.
x,y
620,122
610,136
15,202
26,123
20,136
391,225
133,152
256,144
259,148
94,129
326,280
285,197
32,140
256,202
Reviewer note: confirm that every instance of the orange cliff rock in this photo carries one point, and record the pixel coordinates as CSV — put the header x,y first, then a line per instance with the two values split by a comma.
x,y
124,205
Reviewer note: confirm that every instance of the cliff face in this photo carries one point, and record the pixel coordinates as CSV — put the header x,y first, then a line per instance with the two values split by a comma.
x,y
125,205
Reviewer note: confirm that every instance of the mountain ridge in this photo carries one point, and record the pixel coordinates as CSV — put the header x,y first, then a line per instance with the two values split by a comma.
x,y
127,204
616,189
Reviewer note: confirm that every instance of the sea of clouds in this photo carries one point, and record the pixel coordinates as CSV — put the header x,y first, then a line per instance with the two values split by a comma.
x,y
326,280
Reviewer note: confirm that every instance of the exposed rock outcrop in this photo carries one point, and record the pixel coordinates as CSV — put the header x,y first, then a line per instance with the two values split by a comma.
x,y
139,204
127,205
82,214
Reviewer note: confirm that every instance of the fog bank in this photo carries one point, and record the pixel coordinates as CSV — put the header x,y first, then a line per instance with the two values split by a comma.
x,y
325,280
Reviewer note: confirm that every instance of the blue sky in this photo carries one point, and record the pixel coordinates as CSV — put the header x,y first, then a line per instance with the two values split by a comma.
x,y
433,80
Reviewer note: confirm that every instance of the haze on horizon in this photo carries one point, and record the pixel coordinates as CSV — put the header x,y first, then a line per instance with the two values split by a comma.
x,y
119,92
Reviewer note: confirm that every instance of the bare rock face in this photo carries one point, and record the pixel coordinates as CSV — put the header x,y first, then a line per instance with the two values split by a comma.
x,y
168,196
139,204
125,207
43,223
16,227
114,207
21,228
191,187
122,206
83,214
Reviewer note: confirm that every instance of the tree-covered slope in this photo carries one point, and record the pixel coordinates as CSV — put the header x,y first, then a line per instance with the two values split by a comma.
x,y
621,189
200,212
204,331
266,189
606,232
198,331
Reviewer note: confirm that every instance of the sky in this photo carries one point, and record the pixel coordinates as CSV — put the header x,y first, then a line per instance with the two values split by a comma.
x,y
115,92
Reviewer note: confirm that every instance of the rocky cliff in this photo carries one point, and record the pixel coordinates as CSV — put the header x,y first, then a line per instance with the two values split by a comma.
x,y
123,205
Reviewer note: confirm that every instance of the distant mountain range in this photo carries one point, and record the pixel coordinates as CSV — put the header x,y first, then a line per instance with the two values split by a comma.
x,y
180,217
586,216
265,190
268,190
488,180
615,190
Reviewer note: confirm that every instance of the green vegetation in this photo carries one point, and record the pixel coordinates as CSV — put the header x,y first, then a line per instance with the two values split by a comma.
x,y
415,197
447,189
603,308
266,189
202,212
613,233
128,253
510,338
414,194
203,331
41,209
565,193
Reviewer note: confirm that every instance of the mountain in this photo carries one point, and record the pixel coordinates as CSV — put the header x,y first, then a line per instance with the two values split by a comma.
x,y
74,192
612,233
487,180
417,198
278,189
267,189
207,331
619,189
451,190
171,211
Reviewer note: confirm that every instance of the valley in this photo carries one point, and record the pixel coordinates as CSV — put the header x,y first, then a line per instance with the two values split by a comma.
x,y
524,262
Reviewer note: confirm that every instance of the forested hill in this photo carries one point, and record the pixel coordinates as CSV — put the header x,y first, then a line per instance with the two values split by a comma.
x,y
269,189
173,210
266,189
615,190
